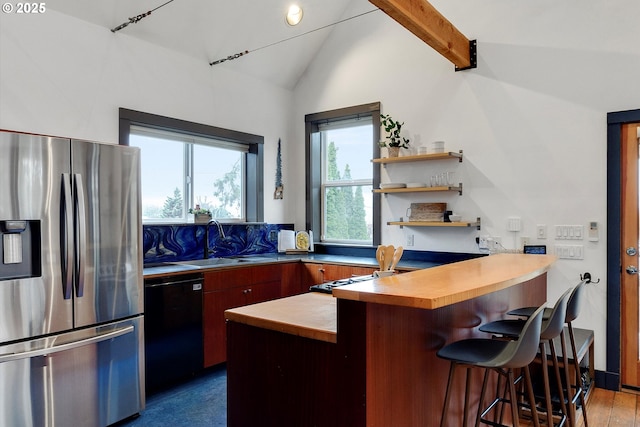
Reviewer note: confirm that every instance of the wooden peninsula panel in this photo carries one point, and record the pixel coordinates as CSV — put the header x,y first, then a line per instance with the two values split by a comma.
x,y
382,369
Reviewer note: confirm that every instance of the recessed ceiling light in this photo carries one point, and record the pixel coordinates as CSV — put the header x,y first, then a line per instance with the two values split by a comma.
x,y
294,15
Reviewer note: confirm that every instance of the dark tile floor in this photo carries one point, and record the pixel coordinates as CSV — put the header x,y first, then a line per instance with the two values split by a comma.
x,y
201,401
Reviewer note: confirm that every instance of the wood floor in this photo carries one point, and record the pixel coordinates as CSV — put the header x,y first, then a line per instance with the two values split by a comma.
x,y
607,408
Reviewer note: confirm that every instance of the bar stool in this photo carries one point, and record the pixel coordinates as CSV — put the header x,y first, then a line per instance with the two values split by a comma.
x,y
500,356
551,328
573,310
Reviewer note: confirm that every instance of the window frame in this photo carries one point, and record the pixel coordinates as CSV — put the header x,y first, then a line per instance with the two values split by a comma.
x,y
313,165
254,171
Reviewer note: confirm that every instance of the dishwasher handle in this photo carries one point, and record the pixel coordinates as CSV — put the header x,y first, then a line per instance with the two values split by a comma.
x,y
186,279
196,285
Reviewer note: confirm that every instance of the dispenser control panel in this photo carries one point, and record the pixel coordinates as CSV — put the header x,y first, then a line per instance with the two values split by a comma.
x,y
20,249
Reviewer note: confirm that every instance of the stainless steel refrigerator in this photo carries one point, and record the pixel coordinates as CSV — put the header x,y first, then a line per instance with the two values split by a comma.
x,y
71,289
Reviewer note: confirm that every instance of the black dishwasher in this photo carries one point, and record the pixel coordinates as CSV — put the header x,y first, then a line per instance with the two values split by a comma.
x,y
173,329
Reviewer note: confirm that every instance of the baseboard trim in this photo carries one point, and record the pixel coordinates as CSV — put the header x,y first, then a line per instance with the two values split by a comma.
x,y
608,380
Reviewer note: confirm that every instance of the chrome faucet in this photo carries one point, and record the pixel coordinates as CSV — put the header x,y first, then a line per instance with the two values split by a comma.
x,y
208,251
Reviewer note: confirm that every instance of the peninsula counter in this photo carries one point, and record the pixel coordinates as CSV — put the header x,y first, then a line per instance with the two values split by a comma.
x,y
366,355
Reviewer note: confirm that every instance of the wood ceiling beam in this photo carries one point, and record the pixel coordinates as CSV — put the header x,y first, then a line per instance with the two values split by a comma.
x,y
424,20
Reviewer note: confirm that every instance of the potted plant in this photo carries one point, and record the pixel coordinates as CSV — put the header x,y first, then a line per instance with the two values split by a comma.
x,y
394,141
200,215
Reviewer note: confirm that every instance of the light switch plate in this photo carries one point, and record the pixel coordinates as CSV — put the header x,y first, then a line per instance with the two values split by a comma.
x,y
541,231
593,231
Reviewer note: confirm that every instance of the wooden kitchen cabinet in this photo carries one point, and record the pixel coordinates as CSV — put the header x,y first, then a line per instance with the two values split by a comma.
x,y
336,272
315,273
232,288
322,273
296,279
237,287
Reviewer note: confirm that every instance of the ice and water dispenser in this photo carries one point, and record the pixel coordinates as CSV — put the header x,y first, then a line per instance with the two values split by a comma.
x,y
20,249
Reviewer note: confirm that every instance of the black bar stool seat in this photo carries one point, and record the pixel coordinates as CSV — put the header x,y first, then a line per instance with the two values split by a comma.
x,y
552,327
500,356
573,310
508,327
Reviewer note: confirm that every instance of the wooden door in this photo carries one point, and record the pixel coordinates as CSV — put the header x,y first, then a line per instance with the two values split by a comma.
x,y
630,347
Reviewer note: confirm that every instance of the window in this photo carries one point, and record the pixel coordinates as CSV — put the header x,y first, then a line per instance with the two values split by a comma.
x,y
181,172
340,145
185,166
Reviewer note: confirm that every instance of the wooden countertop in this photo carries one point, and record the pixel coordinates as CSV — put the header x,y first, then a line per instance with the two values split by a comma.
x,y
311,315
314,315
451,283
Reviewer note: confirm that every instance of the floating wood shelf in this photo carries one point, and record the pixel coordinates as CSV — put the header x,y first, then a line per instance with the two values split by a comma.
x,y
420,157
419,189
401,223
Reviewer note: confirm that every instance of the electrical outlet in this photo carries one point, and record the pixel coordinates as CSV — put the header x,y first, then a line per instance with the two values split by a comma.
x,y
483,243
409,239
524,241
495,244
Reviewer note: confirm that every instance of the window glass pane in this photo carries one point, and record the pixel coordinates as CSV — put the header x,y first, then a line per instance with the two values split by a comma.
x,y
348,151
348,214
218,183
162,179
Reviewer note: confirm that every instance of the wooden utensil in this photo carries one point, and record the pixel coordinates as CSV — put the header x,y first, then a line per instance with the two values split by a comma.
x,y
396,257
380,255
388,257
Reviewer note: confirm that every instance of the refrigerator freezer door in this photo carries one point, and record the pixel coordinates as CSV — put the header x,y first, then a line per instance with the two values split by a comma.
x,y
106,180
91,377
31,170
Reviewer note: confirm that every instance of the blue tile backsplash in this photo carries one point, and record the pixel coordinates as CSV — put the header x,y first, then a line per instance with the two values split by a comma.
x,y
183,242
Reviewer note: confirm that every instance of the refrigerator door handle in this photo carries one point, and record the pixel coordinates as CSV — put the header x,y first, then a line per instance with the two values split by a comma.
x,y
81,233
66,346
66,237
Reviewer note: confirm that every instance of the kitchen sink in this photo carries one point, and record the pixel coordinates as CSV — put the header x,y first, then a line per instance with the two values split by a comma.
x,y
212,262
253,258
227,261
209,262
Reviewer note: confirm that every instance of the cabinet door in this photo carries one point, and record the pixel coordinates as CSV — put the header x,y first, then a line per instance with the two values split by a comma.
x,y
214,330
219,280
260,292
296,279
233,288
315,272
337,272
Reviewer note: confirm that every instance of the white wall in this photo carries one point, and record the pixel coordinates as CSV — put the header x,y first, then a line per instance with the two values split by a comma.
x,y
65,77
531,119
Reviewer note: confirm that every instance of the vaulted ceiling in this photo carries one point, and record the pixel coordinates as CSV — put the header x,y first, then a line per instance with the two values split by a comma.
x,y
210,30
